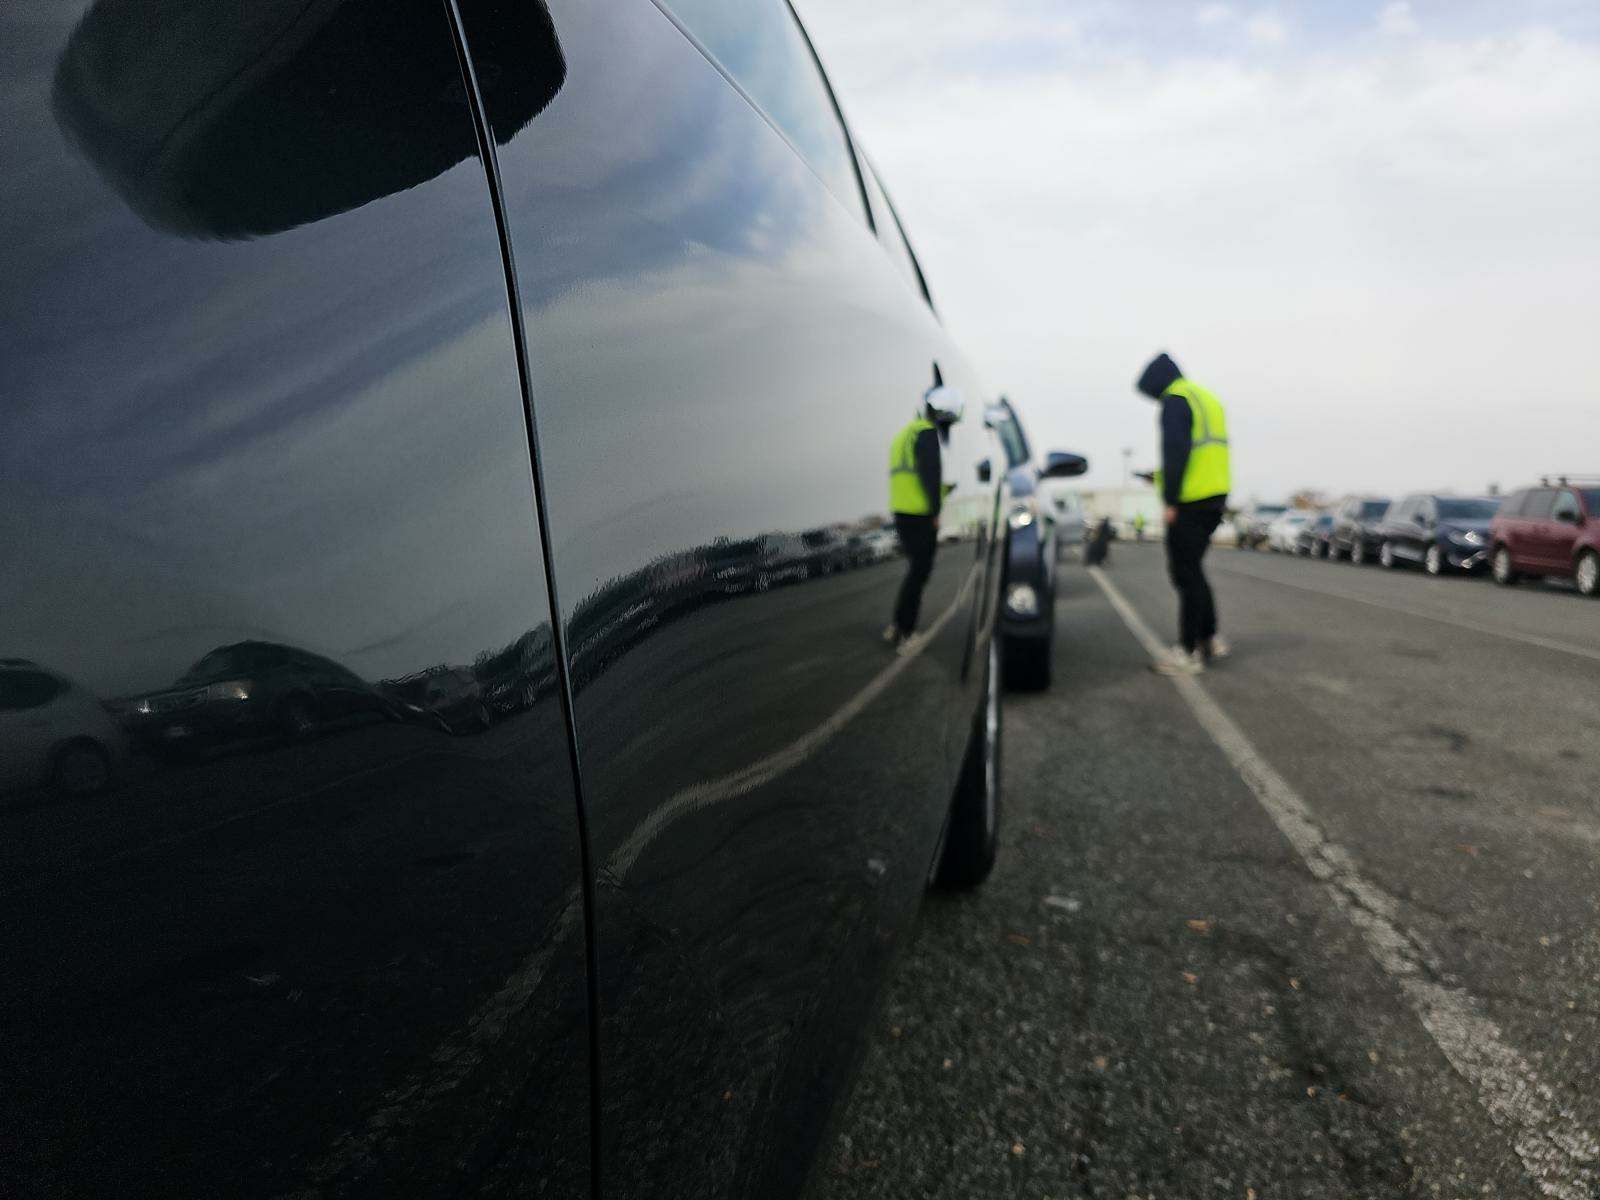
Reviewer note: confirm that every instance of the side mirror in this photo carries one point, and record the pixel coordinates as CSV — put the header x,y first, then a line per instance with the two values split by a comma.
x,y
985,471
1060,465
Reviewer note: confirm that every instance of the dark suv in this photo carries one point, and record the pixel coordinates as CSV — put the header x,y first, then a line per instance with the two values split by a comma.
x,y
510,354
1440,533
1354,534
1552,529
1028,585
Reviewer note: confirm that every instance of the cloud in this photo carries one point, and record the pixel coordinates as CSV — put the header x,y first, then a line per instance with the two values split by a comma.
x,y
1343,238
1267,30
1214,14
1397,19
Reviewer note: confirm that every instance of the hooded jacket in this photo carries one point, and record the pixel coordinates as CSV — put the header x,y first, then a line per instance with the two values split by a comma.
x,y
1177,423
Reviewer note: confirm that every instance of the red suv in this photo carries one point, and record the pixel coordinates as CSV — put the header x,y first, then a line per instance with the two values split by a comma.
x,y
1552,529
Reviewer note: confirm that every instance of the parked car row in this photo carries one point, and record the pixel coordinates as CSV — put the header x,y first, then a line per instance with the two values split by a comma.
x,y
1549,530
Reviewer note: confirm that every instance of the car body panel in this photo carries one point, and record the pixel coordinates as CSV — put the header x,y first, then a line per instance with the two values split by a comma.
x,y
1457,525
1531,526
720,352
1355,522
286,413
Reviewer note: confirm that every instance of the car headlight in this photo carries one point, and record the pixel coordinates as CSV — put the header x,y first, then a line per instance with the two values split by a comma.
x,y
1022,599
1467,537
1023,514
232,689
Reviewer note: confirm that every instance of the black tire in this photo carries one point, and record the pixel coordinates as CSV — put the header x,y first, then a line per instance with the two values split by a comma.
x,y
1504,573
1587,574
1025,663
81,768
1386,556
972,831
1358,553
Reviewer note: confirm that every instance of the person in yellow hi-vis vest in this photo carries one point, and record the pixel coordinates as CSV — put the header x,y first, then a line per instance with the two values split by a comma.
x,y
1194,480
916,493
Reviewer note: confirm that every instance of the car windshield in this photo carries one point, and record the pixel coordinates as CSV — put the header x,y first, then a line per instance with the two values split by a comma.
x,y
1468,510
1591,499
1373,509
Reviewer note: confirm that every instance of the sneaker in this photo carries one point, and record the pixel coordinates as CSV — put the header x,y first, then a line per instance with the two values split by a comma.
x,y
1219,648
891,634
1178,661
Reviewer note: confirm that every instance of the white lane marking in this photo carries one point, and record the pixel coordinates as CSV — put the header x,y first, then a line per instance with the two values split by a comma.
x,y
1559,1152
1411,610
699,796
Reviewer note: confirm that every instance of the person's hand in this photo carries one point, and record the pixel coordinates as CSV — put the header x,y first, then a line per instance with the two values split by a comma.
x,y
1172,514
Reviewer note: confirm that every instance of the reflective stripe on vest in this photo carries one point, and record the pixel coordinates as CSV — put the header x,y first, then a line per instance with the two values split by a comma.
x,y
906,494
1208,472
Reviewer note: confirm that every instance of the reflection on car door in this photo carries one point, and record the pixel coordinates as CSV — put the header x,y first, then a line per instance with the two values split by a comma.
x,y
1561,530
260,391
720,350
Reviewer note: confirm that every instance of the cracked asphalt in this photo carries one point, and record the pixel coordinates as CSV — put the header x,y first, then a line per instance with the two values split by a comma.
x,y
1155,997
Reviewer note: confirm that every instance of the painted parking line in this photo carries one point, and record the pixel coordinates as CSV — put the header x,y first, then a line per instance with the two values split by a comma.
x,y
1412,610
1560,1154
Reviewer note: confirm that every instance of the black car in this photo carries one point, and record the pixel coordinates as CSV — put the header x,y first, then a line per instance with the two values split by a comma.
x,y
1441,533
1028,585
515,349
1314,535
1354,534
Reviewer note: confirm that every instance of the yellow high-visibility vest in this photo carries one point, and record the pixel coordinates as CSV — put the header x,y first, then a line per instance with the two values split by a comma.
x,y
1208,472
906,493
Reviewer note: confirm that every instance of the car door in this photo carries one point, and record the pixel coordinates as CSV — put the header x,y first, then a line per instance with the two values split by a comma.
x,y
1562,530
261,388
1533,530
720,352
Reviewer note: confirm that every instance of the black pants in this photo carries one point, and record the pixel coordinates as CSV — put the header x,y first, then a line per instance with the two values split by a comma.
x,y
918,538
1187,539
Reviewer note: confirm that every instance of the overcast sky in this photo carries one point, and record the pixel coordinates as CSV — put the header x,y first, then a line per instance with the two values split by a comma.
x,y
1372,228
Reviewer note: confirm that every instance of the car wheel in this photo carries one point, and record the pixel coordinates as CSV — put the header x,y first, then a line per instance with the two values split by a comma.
x,y
1358,552
972,830
1435,560
1588,573
1504,573
1386,555
82,768
297,717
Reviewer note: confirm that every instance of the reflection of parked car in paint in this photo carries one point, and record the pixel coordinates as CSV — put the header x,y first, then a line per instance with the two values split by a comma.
x,y
1071,526
452,696
55,734
249,689
1028,587
1549,530
827,551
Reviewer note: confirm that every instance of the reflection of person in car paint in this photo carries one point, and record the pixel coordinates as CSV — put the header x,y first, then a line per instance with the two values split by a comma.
x,y
916,494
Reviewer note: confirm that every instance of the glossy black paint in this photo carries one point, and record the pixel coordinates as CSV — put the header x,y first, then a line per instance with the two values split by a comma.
x,y
1355,527
720,353
292,407
263,457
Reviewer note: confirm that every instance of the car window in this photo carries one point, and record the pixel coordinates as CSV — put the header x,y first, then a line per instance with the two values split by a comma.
x,y
761,47
1373,510
1591,499
1513,505
22,690
1540,501
1466,508
1566,507
1013,439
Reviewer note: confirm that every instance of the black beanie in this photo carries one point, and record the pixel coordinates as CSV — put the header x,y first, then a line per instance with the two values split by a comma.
x,y
1161,374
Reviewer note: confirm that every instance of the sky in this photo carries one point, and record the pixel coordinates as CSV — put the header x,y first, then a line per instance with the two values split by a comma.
x,y
1373,228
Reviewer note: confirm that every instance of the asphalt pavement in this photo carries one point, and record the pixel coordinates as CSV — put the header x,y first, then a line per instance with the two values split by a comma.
x,y
1320,924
